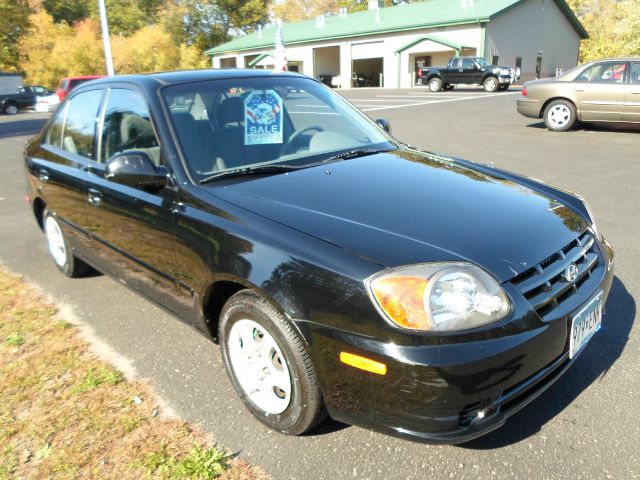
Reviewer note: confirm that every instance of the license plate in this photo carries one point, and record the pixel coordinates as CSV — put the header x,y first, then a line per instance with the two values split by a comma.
x,y
584,324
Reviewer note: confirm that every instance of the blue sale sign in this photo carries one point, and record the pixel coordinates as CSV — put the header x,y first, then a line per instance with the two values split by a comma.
x,y
263,118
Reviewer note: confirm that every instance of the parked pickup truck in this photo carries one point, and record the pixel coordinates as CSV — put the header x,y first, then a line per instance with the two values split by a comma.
x,y
25,98
468,71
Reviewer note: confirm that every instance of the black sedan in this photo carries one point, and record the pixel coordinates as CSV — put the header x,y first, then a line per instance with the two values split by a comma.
x,y
341,271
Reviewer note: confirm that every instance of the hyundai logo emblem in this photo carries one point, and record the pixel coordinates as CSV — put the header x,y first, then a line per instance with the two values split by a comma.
x,y
571,273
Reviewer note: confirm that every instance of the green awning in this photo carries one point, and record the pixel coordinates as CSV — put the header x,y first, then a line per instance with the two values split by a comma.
x,y
259,58
435,39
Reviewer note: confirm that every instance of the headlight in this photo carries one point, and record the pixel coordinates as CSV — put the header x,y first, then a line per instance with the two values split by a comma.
x,y
505,71
438,296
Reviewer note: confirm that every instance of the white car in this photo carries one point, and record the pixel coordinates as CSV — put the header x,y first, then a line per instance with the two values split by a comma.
x,y
46,103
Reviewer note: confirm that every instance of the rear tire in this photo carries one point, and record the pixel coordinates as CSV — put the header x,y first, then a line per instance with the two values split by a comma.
x,y
491,84
11,108
60,250
559,116
435,85
268,365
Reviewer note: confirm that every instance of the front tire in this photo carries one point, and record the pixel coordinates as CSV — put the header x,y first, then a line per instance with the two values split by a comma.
x,y
435,85
491,84
268,365
559,116
60,250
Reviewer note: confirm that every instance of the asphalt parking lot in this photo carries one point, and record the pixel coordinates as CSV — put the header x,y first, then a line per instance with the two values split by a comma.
x,y
583,427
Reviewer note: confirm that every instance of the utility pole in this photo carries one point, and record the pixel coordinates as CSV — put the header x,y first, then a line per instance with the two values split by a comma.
x,y
105,38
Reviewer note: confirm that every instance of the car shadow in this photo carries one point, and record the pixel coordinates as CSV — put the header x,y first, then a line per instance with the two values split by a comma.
x,y
597,127
592,365
328,425
20,128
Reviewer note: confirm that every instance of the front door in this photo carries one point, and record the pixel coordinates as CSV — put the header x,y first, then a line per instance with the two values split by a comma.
x,y
471,72
631,111
132,228
600,91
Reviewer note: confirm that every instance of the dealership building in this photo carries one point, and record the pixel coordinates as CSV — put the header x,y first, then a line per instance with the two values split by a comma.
x,y
387,45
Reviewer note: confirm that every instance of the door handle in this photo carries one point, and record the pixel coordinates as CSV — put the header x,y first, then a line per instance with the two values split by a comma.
x,y
578,90
43,176
94,197
177,207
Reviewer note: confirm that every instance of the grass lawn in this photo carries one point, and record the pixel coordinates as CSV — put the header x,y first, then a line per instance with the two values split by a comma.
x,y
66,414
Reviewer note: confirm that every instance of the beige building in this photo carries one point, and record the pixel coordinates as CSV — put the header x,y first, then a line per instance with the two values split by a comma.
x,y
385,46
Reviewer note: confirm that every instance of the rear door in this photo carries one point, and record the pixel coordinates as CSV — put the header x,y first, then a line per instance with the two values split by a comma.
x,y
600,91
59,164
631,111
132,228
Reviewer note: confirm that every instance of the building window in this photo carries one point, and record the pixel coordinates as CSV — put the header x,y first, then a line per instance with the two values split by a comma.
x,y
494,60
518,62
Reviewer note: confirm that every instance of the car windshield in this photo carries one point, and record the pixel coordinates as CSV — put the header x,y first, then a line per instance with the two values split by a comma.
x,y
482,62
245,123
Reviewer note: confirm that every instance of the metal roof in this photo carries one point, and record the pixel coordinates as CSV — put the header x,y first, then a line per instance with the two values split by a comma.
x,y
427,14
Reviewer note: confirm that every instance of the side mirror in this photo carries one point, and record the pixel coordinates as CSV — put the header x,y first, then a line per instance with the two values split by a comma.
x,y
386,126
135,169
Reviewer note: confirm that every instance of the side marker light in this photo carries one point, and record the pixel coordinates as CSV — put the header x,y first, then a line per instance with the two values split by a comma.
x,y
363,363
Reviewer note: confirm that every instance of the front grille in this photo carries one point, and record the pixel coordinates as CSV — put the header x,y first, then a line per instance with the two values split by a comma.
x,y
544,285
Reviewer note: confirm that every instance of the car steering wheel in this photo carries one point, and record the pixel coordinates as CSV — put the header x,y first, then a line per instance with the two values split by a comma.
x,y
287,146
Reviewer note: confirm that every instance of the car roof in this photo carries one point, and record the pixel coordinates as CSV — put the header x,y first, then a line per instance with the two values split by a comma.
x,y
82,77
186,76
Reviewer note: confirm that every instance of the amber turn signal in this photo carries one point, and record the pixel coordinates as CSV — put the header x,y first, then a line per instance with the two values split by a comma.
x,y
363,363
402,299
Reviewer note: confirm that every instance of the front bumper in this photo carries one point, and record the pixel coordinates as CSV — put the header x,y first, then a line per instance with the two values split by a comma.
x,y
456,388
506,79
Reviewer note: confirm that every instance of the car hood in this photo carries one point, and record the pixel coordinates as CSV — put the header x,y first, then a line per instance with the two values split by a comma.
x,y
405,207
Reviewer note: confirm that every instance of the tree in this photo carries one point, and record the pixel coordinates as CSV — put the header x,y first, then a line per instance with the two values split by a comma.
x,y
243,15
127,16
37,49
13,26
67,11
297,10
150,49
196,23
612,25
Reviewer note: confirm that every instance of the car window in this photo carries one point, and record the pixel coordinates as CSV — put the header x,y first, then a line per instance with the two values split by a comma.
x,y
54,135
635,73
456,63
40,90
64,83
80,125
608,72
127,126
236,123
468,63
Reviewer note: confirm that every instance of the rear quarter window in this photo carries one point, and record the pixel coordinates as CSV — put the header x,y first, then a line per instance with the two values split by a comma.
x,y
80,125
54,135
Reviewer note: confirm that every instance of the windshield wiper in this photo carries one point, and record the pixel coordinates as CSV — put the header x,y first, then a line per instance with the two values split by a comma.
x,y
248,171
358,152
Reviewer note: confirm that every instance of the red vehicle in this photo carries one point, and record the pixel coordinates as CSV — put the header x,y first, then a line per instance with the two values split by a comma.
x,y
69,83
